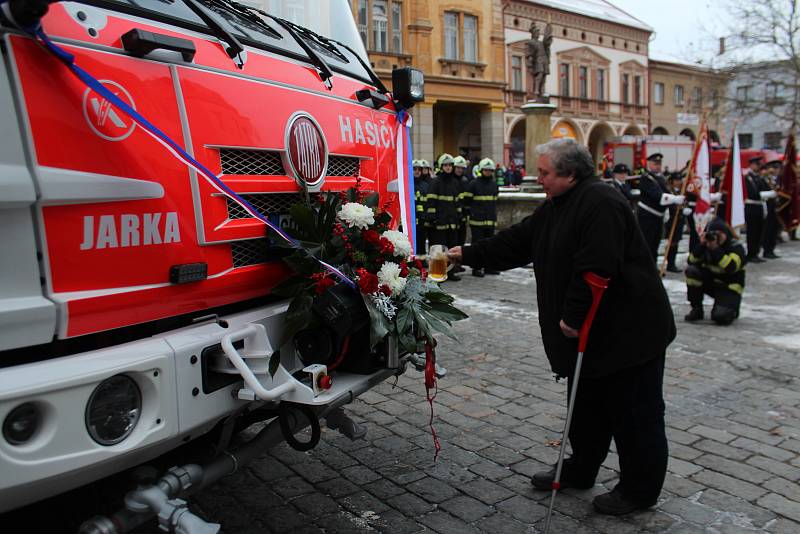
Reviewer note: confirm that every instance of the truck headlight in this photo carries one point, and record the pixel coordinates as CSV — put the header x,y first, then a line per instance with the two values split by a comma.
x,y
22,423
113,410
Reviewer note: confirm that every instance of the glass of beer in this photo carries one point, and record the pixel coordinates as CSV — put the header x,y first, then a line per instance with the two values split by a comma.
x,y
438,264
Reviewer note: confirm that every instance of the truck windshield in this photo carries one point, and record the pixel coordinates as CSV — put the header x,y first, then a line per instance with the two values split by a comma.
x,y
331,19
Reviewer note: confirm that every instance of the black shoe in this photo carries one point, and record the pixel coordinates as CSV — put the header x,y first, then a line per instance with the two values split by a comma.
x,y
543,480
754,259
458,269
614,503
695,314
477,272
673,269
771,256
489,271
453,277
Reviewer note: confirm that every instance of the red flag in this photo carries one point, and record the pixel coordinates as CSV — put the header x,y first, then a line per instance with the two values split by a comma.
x,y
789,193
733,186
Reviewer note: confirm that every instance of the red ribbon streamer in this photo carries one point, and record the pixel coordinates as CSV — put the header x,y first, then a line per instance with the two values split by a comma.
x,y
430,384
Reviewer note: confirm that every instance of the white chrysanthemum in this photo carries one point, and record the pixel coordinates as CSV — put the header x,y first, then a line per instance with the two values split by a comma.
x,y
390,275
402,247
355,214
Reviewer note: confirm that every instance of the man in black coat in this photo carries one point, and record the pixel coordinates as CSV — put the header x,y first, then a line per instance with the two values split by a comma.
x,y
755,209
620,182
586,226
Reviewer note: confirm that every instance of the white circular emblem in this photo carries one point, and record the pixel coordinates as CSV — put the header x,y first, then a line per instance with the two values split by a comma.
x,y
106,120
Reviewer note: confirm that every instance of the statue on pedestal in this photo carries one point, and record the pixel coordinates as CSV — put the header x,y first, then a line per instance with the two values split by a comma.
x,y
537,60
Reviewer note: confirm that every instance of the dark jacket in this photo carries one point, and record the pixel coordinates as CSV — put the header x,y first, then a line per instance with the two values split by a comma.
x,y
589,228
652,186
725,263
421,186
480,199
442,203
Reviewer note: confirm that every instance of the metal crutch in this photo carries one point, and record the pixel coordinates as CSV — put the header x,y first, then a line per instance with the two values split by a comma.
x,y
598,285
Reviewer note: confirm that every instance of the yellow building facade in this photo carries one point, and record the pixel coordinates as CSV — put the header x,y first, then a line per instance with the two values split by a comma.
x,y
459,45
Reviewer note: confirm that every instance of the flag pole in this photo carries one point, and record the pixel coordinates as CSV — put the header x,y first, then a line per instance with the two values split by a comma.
x,y
684,183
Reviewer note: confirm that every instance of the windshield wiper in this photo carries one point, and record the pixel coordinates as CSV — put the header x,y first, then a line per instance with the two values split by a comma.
x,y
247,14
232,47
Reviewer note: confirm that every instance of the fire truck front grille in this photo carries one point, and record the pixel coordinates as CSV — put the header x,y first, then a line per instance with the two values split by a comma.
x,y
250,252
268,204
251,162
343,166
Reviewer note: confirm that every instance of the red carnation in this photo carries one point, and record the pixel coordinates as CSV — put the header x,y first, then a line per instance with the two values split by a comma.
x,y
367,282
386,246
323,284
386,290
403,269
371,236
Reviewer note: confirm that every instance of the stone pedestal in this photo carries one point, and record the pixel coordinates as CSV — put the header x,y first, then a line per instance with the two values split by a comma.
x,y
537,131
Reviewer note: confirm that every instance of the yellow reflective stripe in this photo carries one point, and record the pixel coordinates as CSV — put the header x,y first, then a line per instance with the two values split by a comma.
x,y
716,269
485,197
431,196
693,258
694,282
419,208
446,198
431,210
725,261
737,288
446,226
737,260
482,223
466,194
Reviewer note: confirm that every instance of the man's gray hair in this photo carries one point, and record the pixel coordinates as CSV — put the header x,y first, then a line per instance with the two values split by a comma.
x,y
568,157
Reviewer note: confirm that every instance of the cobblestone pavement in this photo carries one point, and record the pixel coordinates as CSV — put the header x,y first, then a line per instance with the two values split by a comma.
x,y
733,416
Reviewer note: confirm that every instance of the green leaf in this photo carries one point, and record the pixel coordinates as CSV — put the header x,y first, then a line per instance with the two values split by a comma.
x,y
372,200
298,316
379,324
292,286
404,320
274,362
438,296
407,342
305,220
447,312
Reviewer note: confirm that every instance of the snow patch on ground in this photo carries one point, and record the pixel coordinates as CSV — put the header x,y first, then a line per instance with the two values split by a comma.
x,y
674,286
780,279
522,276
790,341
495,309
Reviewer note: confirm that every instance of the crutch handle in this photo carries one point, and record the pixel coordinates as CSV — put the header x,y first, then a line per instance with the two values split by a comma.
x,y
598,285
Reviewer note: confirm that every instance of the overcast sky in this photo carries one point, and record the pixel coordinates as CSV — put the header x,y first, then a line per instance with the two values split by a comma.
x,y
684,29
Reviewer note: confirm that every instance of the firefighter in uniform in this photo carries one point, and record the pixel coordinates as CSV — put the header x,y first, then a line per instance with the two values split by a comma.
x,y
460,166
675,182
655,197
481,200
755,209
716,269
421,185
443,207
619,179
772,226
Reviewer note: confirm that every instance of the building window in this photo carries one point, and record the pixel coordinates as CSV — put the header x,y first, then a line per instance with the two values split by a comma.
x,y
678,96
772,92
772,140
745,140
470,38
658,93
743,93
451,35
363,27
516,73
583,82
601,84
713,99
697,98
397,28
626,81
380,26
563,79
637,90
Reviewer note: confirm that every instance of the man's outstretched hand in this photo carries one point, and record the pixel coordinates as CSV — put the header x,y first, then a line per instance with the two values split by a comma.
x,y
567,330
454,255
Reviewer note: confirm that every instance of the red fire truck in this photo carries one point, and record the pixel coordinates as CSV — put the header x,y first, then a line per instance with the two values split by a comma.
x,y
634,150
135,306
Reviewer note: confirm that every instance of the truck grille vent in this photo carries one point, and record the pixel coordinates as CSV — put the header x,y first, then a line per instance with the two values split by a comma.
x,y
343,166
250,252
258,162
268,204
268,163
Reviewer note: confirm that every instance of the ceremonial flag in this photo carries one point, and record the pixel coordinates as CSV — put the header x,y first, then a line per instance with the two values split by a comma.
x,y
789,192
733,186
405,178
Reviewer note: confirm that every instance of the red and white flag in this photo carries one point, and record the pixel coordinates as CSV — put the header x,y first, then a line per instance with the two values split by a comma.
x,y
733,186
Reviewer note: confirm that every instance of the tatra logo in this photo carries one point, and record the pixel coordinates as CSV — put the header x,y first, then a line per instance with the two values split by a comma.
x,y
105,119
129,230
306,149
366,133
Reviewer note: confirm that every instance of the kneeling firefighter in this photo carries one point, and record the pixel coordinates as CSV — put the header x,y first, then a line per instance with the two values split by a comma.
x,y
716,269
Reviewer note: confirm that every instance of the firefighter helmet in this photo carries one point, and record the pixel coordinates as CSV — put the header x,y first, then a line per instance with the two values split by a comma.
x,y
424,164
460,161
416,163
445,159
486,163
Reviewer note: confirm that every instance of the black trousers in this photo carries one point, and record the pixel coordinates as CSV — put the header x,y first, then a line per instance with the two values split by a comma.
x,y
448,238
676,238
462,234
700,282
652,228
480,232
754,220
771,228
627,406
419,247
